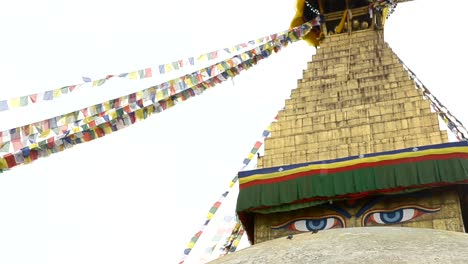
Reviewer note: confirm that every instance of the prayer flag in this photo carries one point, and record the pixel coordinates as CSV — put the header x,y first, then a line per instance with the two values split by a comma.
x,y
5,147
71,88
133,75
56,93
24,100
3,105
64,90
14,102
148,73
48,95
161,69
213,55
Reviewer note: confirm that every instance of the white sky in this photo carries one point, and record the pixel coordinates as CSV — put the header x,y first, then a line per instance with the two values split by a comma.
x,y
138,195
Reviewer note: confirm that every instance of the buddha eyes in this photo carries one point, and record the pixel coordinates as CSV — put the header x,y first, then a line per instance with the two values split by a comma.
x,y
307,224
395,216
374,217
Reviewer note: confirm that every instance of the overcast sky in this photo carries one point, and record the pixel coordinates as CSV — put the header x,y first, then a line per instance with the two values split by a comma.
x,y
139,195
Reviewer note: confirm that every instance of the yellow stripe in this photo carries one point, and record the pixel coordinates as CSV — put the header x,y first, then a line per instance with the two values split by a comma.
x,y
346,163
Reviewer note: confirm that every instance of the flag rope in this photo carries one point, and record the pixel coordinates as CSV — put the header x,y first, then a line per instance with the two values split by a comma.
x,y
453,123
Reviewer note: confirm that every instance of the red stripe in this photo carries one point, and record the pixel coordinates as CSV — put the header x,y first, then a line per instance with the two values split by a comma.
x,y
355,167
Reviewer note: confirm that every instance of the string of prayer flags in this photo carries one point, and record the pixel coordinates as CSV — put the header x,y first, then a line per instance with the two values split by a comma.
x,y
26,100
221,232
211,75
209,216
111,109
105,123
233,240
258,144
453,123
386,7
252,153
236,242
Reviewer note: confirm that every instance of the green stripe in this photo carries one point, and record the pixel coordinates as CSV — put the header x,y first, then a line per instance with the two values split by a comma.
x,y
279,196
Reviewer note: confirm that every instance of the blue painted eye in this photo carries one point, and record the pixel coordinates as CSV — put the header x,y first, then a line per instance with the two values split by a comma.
x,y
312,224
395,216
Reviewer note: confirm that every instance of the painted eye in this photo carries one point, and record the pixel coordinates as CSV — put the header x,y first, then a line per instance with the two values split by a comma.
x,y
312,224
395,216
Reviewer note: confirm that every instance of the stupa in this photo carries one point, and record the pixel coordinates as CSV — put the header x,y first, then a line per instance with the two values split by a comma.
x,y
356,146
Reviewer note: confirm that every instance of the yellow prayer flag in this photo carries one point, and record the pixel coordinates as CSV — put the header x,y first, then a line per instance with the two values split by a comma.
x,y
45,133
27,160
230,73
76,129
14,102
202,57
106,106
168,67
250,156
62,120
139,95
88,119
244,56
139,114
232,184
209,216
3,164
188,82
190,245
159,95
445,119
170,103
113,114
57,93
133,75
107,130
34,145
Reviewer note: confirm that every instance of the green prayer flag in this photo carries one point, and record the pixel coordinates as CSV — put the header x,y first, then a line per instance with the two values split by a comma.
x,y
5,147
24,100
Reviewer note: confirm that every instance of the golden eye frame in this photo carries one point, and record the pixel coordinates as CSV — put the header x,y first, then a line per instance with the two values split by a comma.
x,y
286,225
421,210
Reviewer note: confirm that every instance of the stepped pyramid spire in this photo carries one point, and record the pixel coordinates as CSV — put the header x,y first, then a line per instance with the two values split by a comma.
x,y
355,97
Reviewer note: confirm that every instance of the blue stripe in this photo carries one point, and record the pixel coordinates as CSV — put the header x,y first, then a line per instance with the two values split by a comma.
x,y
243,174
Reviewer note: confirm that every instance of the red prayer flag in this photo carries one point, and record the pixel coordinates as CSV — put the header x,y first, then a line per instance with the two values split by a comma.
x,y
148,73
258,145
10,159
33,97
